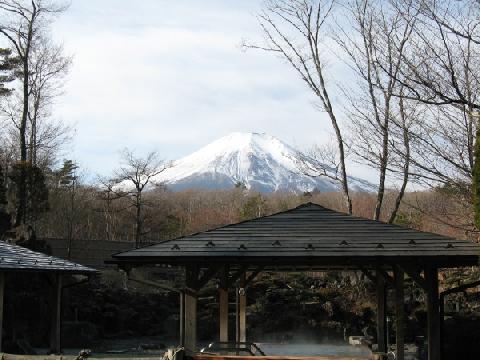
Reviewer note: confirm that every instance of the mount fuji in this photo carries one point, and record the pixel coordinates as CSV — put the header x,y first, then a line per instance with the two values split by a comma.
x,y
258,161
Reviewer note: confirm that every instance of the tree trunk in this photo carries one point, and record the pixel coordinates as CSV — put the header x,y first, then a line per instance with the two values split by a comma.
x,y
383,173
33,132
22,186
346,193
340,143
71,219
20,217
406,166
138,219
476,179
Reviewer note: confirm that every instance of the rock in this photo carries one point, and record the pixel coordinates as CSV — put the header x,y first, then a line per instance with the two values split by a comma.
x,y
360,340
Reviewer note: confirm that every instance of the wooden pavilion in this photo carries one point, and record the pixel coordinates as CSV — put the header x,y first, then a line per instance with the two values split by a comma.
x,y
310,237
17,259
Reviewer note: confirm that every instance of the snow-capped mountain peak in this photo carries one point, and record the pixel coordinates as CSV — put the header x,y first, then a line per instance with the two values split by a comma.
x,y
257,160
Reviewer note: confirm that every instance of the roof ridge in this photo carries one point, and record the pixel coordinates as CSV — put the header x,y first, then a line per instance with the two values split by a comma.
x,y
309,203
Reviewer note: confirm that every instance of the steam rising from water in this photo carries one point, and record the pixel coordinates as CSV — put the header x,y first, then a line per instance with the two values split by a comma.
x,y
309,349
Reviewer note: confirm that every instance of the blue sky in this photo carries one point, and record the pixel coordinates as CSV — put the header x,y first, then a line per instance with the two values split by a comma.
x,y
171,76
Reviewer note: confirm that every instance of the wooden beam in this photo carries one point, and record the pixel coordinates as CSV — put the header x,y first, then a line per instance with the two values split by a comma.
x,y
155,284
207,275
2,290
381,313
368,274
236,275
386,276
460,288
253,275
415,274
400,312
433,313
55,329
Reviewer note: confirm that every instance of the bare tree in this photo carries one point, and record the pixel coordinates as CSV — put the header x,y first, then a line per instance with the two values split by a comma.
x,y
322,161
294,29
377,39
49,68
133,177
108,193
23,24
441,64
439,72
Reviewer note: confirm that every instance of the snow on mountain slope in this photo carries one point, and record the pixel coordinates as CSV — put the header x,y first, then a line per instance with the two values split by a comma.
x,y
259,161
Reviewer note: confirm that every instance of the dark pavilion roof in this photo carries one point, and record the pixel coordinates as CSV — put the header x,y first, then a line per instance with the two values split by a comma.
x,y
308,235
18,258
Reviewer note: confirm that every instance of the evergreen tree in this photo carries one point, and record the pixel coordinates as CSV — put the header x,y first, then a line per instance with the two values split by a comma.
x,y
36,190
66,176
8,65
254,207
67,182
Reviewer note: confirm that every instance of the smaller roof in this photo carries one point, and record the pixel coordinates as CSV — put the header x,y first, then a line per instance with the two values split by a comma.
x,y
18,258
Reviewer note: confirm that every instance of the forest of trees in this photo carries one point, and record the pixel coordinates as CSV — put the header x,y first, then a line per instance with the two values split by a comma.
x,y
97,214
410,110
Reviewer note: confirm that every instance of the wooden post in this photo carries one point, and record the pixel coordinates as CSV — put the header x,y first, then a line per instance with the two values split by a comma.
x,y
400,312
2,289
55,329
237,315
433,313
442,324
381,313
242,308
190,308
241,320
190,321
223,305
182,318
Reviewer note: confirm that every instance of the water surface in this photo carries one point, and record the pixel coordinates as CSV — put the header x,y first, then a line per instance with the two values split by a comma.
x,y
313,349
